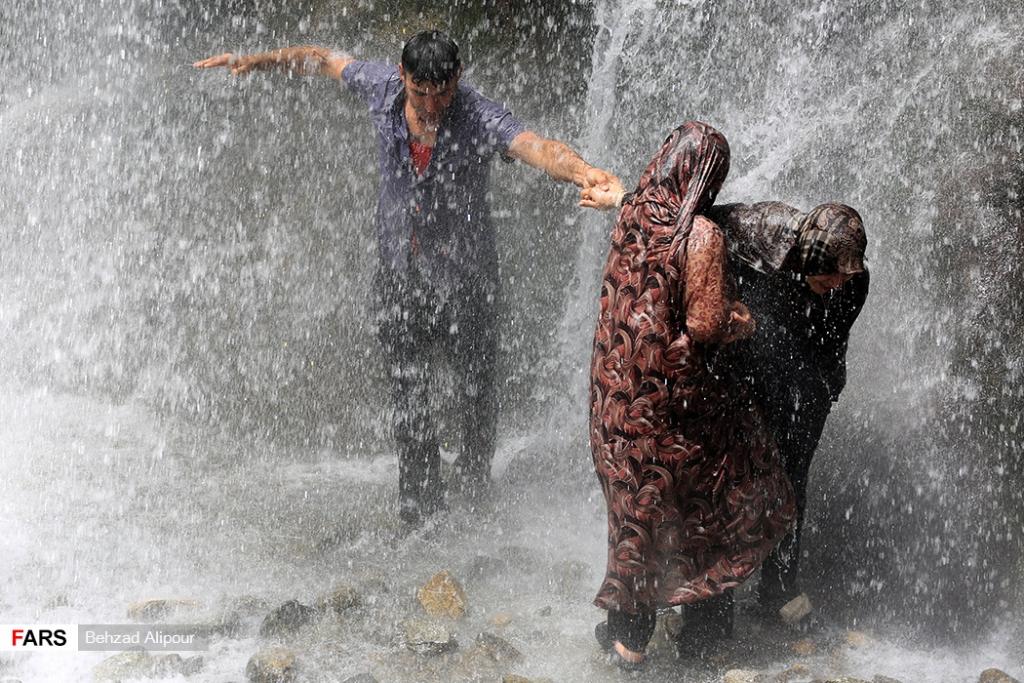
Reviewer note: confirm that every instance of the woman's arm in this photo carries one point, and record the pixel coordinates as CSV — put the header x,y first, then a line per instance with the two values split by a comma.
x,y
711,316
305,60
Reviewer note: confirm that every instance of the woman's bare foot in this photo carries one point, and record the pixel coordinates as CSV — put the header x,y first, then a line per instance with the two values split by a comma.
x,y
629,655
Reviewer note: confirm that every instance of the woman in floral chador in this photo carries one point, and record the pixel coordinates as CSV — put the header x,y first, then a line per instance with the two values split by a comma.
x,y
695,492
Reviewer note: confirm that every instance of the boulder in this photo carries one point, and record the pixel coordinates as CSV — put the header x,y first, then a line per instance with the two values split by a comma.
x,y
804,647
428,637
339,600
996,676
155,609
272,665
884,679
501,619
794,611
442,596
361,678
858,639
792,673
287,619
497,648
141,664
743,676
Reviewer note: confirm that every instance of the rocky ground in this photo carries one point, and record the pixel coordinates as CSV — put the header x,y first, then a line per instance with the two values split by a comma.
x,y
293,564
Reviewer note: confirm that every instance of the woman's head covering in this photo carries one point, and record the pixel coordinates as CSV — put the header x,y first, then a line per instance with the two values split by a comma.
x,y
684,177
831,240
771,236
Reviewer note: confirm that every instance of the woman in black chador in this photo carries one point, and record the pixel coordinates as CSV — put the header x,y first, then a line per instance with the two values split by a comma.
x,y
804,280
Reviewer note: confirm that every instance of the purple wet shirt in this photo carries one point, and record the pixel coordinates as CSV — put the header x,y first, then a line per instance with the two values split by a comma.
x,y
446,206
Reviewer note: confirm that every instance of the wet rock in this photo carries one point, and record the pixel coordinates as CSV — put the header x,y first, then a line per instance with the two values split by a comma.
x,y
884,679
287,619
485,566
793,673
804,647
845,679
666,632
512,678
796,610
155,609
361,678
497,648
225,624
442,596
272,665
858,639
996,676
339,600
743,676
544,611
246,605
501,619
428,637
141,664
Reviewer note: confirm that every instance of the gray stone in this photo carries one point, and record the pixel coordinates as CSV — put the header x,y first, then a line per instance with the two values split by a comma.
x,y
155,609
497,648
794,611
996,676
743,676
885,679
272,665
427,637
846,679
361,678
339,600
141,664
287,619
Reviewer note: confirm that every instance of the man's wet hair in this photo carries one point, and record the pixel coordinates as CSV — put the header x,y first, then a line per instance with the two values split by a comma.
x,y
431,57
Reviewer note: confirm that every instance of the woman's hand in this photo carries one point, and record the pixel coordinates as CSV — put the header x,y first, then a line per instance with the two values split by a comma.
x,y
741,323
604,196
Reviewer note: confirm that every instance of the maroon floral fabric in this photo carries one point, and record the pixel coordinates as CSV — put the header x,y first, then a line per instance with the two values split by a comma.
x,y
695,492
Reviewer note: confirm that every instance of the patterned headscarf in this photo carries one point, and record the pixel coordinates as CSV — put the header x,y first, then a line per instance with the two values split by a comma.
x,y
831,240
771,236
684,177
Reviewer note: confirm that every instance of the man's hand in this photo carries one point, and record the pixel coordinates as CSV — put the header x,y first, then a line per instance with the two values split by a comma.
x,y
603,196
596,177
238,65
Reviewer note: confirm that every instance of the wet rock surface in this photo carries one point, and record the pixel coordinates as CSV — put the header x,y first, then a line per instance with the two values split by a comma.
x,y
154,609
272,665
341,599
443,596
287,619
140,664
428,637
996,676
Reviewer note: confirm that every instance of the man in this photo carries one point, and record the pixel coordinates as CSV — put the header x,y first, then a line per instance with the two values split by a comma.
x,y
438,260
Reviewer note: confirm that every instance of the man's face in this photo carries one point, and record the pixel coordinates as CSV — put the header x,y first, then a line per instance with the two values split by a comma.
x,y
430,101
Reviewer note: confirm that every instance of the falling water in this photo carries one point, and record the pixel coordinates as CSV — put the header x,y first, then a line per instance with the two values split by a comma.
x,y
192,401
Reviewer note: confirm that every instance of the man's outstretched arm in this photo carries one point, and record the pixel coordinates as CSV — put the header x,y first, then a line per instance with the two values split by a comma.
x,y
305,60
558,160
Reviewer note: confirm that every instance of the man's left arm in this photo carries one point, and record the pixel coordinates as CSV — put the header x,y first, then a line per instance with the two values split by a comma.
x,y
558,160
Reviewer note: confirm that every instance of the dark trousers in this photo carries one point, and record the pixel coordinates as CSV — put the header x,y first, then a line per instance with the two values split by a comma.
x,y
634,631
795,404
440,350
